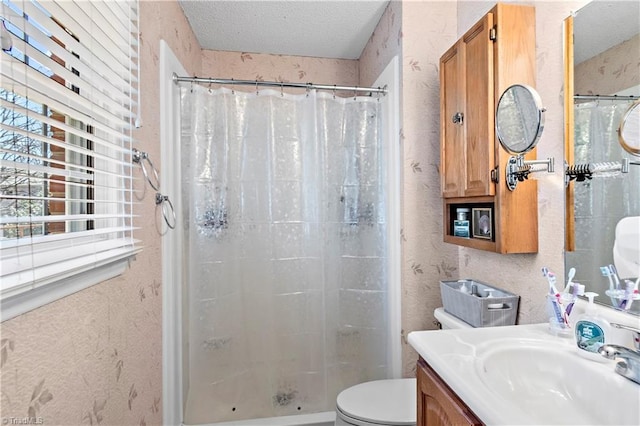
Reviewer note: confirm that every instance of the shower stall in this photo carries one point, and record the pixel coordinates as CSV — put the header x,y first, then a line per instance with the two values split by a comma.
x,y
285,286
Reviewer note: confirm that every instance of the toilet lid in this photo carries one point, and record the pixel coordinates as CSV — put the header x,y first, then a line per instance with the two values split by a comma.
x,y
388,402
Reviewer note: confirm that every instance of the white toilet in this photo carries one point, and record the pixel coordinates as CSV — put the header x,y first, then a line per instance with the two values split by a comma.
x,y
448,321
389,402
385,402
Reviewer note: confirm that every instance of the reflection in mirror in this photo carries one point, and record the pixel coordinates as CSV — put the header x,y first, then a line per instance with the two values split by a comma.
x,y
519,124
602,214
626,259
629,130
519,119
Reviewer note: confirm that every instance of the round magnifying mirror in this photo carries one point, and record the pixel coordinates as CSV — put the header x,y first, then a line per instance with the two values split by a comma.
x,y
519,119
629,130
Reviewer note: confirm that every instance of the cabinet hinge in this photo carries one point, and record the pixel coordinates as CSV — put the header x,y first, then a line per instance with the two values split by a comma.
x,y
494,175
493,33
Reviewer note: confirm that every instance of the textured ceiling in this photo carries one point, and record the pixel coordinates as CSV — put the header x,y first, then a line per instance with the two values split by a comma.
x,y
341,28
327,29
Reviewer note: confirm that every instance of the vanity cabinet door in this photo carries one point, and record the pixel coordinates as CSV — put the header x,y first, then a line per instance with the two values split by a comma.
x,y
438,405
467,116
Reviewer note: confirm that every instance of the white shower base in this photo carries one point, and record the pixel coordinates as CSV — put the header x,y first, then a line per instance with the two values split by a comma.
x,y
326,418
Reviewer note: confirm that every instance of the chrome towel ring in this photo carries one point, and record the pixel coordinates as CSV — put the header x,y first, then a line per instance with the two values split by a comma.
x,y
140,157
168,211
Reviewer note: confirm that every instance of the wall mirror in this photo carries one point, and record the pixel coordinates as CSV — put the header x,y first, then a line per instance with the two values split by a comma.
x,y
629,131
519,124
602,81
519,119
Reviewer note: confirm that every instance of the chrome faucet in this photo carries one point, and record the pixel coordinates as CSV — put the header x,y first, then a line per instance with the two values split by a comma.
x,y
629,367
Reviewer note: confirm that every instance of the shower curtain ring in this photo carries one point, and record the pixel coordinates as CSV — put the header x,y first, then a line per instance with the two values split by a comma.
x,y
282,89
257,93
355,93
334,91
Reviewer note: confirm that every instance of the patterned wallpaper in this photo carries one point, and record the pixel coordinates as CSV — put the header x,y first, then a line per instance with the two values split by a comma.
x,y
94,358
427,28
384,44
282,68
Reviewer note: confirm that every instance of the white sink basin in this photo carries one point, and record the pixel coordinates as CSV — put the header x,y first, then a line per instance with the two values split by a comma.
x,y
524,375
547,378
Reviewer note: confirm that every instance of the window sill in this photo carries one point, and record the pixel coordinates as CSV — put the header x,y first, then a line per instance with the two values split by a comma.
x,y
19,304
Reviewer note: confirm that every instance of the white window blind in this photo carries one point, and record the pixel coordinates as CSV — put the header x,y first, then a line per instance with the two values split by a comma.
x,y
69,86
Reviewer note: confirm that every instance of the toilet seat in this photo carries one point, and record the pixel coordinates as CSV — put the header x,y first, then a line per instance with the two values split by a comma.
x,y
380,402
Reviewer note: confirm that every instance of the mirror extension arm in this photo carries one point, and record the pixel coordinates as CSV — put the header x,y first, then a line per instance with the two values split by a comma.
x,y
518,169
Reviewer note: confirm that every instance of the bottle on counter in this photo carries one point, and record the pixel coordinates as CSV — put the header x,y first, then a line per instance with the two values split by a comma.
x,y
591,331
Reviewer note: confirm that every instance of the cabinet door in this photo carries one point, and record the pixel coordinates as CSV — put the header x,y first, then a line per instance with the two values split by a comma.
x,y
466,92
479,109
452,155
437,404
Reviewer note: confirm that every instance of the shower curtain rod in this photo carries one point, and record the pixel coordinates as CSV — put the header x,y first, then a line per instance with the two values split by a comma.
x,y
607,97
256,83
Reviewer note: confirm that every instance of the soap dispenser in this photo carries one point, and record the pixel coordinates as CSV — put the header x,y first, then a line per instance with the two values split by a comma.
x,y
591,331
463,287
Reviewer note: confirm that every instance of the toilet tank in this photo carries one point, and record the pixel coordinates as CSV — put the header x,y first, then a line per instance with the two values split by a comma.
x,y
448,321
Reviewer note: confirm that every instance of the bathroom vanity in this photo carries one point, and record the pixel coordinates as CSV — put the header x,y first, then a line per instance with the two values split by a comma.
x,y
520,375
437,403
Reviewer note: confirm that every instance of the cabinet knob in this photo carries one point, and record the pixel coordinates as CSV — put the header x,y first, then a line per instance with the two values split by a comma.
x,y
457,118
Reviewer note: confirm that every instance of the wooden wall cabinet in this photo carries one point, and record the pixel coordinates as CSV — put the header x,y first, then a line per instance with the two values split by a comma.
x,y
437,403
497,52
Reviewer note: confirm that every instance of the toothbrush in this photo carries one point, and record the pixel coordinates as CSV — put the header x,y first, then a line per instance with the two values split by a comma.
x,y
577,289
551,279
614,273
572,273
555,297
607,273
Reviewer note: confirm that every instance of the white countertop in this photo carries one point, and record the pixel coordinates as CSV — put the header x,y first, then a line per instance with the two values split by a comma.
x,y
456,355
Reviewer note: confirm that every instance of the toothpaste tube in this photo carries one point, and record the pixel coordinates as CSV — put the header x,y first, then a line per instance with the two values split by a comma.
x,y
554,298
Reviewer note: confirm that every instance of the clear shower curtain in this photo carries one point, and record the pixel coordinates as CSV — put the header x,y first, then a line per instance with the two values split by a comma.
x,y
287,253
601,202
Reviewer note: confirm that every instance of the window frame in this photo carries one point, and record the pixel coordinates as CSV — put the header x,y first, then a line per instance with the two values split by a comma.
x,y
52,279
